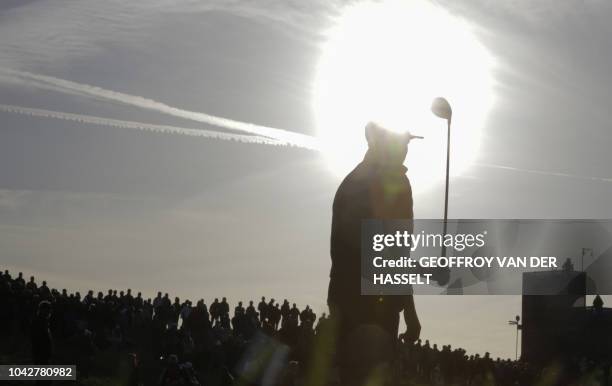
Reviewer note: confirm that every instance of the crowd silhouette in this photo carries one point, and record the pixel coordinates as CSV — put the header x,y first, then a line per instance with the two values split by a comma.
x,y
184,343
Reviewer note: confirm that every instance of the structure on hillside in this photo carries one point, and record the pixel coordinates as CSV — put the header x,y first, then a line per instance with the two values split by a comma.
x,y
561,326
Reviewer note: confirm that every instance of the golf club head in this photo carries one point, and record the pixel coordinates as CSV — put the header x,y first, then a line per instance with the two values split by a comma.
x,y
410,137
441,108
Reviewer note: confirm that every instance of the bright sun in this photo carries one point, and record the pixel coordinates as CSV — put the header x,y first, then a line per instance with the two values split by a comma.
x,y
386,61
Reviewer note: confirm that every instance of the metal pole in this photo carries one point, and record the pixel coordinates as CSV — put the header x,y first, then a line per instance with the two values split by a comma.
x,y
585,251
448,121
516,346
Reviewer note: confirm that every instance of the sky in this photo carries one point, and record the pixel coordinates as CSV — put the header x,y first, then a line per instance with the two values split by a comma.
x,y
85,206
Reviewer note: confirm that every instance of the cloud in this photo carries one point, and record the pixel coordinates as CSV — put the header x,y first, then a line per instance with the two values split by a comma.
x,y
12,199
51,32
539,14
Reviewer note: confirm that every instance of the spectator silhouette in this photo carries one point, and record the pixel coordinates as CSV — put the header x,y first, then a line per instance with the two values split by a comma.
x,y
262,307
19,281
224,308
250,311
598,304
239,309
32,284
285,310
42,343
275,316
215,311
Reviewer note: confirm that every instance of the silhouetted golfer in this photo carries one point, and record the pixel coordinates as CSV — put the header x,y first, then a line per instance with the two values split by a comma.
x,y
367,326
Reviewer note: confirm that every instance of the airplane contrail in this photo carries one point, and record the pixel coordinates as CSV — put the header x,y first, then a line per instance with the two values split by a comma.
x,y
264,134
140,125
67,86
168,129
544,173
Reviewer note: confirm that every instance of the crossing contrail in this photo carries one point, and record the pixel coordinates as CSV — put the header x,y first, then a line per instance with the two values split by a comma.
x,y
544,173
140,125
168,129
67,86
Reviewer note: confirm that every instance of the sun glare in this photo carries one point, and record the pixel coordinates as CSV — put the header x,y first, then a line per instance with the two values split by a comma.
x,y
385,62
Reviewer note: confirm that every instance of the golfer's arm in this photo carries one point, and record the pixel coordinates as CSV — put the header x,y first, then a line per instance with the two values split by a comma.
x,y
410,314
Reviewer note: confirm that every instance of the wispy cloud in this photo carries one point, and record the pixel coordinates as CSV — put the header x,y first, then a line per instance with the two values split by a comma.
x,y
531,13
12,199
45,33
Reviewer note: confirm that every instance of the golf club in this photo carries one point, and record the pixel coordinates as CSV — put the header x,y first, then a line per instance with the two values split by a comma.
x,y
441,108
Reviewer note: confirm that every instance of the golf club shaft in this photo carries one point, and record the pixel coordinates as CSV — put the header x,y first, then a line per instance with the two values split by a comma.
x,y
446,188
